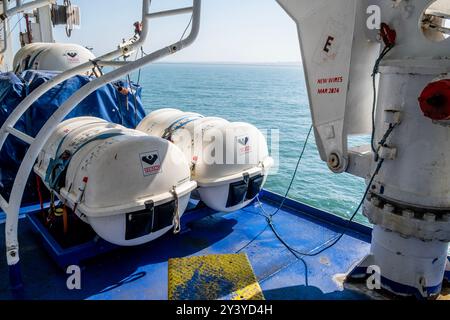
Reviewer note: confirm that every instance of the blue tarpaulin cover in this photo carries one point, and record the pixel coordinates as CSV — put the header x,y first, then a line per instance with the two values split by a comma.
x,y
106,103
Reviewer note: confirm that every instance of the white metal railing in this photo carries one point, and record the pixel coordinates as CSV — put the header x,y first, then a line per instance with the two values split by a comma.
x,y
12,207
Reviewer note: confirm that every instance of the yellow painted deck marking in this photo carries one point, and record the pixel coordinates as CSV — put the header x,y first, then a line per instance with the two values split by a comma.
x,y
213,277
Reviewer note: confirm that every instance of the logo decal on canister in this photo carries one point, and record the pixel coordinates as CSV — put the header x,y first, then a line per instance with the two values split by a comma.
x,y
151,163
244,144
72,57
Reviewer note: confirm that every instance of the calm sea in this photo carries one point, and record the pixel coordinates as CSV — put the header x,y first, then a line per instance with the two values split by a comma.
x,y
269,97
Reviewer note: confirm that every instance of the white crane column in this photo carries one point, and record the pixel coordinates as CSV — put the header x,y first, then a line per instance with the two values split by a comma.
x,y
409,200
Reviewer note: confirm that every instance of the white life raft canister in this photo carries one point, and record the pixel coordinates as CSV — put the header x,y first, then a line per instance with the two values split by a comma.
x,y
130,187
229,161
51,57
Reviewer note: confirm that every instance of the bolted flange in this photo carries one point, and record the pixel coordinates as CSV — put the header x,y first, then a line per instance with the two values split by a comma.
x,y
408,222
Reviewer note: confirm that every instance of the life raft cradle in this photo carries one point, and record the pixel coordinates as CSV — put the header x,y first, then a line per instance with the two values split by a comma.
x,y
12,206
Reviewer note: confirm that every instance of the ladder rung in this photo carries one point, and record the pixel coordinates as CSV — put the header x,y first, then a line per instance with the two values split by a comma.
x,y
438,14
117,64
20,135
168,13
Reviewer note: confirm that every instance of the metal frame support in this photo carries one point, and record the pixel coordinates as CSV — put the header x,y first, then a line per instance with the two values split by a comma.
x,y
5,28
168,13
21,7
12,207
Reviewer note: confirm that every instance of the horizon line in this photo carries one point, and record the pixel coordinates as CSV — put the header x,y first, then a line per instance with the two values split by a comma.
x,y
275,63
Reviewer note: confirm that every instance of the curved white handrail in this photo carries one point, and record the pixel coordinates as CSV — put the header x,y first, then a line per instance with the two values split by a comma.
x,y
12,208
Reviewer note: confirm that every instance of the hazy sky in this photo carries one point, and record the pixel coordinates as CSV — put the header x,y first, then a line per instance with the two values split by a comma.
x,y
231,30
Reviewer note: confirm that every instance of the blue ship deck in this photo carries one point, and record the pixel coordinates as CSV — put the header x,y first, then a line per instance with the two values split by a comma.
x,y
141,273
